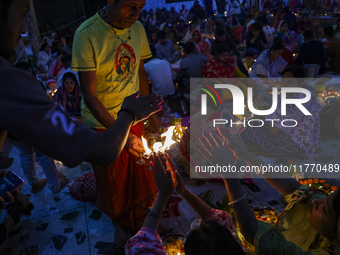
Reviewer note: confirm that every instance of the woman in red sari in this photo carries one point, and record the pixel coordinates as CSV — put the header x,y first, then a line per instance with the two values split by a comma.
x,y
202,46
237,30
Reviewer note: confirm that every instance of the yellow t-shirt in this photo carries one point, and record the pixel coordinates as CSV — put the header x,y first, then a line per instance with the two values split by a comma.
x,y
96,47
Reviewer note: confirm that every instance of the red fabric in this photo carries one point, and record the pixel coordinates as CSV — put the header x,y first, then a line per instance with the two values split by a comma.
x,y
125,189
288,56
84,188
216,69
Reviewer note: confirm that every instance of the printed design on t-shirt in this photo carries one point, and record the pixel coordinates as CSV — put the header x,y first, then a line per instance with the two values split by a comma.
x,y
125,61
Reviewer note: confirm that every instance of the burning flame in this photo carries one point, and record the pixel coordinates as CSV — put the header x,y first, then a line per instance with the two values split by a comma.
x,y
168,138
157,146
145,144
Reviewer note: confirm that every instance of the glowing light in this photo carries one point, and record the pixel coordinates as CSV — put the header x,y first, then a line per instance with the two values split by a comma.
x,y
147,150
157,146
168,138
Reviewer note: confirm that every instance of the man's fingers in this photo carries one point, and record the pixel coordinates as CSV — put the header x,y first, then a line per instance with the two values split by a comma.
x,y
158,163
227,136
206,154
155,100
136,94
216,139
169,161
3,174
137,148
9,198
206,145
134,153
209,140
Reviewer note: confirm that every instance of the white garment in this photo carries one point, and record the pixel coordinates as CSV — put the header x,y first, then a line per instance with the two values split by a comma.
x,y
60,79
43,58
270,34
161,76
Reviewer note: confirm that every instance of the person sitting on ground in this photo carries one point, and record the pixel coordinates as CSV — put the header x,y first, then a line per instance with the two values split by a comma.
x,y
270,63
290,18
188,34
165,48
68,43
222,66
290,39
267,5
160,74
209,28
287,55
249,20
254,12
237,30
256,40
202,46
304,24
309,224
56,68
182,28
166,22
191,66
221,24
222,37
44,56
313,46
198,11
66,60
178,36
173,15
332,50
317,30
183,13
144,18
216,234
153,39
69,95
268,31
285,142
170,35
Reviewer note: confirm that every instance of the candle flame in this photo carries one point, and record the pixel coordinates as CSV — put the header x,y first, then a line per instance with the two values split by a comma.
x,y
147,150
168,138
157,146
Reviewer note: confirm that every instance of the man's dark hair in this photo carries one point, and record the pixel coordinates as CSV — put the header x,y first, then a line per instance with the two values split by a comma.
x,y
42,47
189,47
283,23
277,46
66,60
295,70
61,52
222,48
257,26
213,239
308,34
153,51
328,31
161,35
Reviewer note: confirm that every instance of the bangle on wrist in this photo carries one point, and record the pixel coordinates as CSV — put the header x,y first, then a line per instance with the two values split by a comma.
x,y
238,200
134,116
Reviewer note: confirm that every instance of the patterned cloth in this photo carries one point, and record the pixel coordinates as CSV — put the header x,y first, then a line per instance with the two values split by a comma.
x,y
167,51
147,241
202,46
216,69
289,141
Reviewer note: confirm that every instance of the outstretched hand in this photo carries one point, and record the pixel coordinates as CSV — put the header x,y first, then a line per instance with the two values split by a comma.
x,y
8,198
143,106
162,177
176,177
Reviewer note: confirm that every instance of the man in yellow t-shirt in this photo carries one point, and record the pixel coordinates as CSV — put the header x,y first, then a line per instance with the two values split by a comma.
x,y
108,53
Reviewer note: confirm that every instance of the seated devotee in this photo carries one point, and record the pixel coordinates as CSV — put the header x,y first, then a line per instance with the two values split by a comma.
x,y
66,60
44,56
221,24
279,5
287,55
191,66
248,22
254,12
222,65
237,30
256,40
290,39
270,63
290,18
198,11
170,35
278,20
166,22
165,48
309,224
183,13
56,68
223,38
188,34
202,46
311,52
160,74
267,30
303,24
68,43
153,38
317,30
144,17
69,95
332,50
279,141
173,15
216,234
182,28
178,35
209,28
234,8
267,5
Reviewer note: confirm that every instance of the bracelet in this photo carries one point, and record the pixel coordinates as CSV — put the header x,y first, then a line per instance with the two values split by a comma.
x,y
134,116
238,200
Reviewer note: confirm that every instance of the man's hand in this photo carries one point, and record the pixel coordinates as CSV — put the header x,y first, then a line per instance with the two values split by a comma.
x,y
8,197
154,124
134,145
162,177
143,106
176,177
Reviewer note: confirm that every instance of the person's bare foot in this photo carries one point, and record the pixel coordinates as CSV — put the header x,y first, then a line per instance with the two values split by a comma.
x,y
62,180
121,236
37,187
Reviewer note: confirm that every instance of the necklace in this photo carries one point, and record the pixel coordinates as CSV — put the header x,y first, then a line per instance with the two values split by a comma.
x,y
106,19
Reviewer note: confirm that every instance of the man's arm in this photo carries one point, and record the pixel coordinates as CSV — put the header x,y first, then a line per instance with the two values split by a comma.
x,y
88,87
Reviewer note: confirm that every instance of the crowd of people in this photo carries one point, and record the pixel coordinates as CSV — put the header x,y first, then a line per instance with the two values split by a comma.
x,y
116,69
